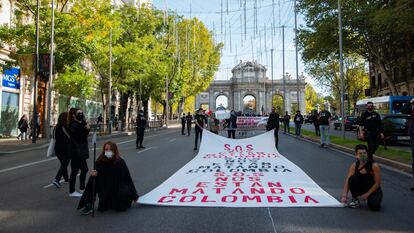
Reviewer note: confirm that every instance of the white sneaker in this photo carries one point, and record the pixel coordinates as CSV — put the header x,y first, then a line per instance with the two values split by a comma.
x,y
75,194
81,191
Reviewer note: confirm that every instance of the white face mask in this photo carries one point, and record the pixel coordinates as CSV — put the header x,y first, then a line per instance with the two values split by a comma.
x,y
108,154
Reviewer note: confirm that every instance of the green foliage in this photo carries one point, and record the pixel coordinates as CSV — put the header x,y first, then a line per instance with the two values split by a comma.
x,y
75,82
312,98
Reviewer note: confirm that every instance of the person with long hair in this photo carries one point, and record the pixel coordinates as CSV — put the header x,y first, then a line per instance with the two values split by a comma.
x,y
113,183
23,125
63,148
79,131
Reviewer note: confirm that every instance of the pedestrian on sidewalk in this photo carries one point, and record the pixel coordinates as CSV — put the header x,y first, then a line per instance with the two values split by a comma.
x,y
113,183
325,126
200,120
141,123
35,122
23,125
78,131
183,124
298,119
370,127
63,147
409,109
273,124
189,121
315,121
232,125
364,181
213,123
286,120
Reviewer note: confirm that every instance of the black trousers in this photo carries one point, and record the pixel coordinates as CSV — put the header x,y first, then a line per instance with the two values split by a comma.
x,y
317,130
198,133
63,170
182,128
286,127
359,187
188,129
373,143
76,165
276,138
140,136
231,134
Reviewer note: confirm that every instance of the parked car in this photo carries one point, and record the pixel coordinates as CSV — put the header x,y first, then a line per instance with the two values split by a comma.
x,y
351,123
395,128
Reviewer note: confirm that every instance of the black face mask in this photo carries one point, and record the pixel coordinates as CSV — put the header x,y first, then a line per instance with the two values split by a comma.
x,y
79,117
370,109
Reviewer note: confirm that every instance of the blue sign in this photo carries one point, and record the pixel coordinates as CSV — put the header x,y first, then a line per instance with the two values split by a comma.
x,y
11,78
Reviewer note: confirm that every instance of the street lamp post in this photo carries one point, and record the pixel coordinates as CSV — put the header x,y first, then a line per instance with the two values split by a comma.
x,y
271,61
341,67
296,52
51,64
34,130
110,85
283,68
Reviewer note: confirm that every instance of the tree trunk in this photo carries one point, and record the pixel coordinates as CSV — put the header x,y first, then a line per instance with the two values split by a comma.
x,y
145,105
387,77
123,107
181,106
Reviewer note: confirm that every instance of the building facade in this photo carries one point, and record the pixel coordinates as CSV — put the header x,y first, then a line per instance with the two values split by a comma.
x,y
250,91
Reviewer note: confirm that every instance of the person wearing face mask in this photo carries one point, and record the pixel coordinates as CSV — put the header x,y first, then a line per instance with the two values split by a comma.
x,y
273,124
364,181
141,124
200,121
231,125
370,127
78,131
113,183
189,121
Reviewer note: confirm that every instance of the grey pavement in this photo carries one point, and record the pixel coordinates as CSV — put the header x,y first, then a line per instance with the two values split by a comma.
x,y
26,206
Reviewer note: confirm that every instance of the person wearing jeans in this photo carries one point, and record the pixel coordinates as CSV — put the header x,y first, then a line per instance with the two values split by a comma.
x,y
324,126
298,119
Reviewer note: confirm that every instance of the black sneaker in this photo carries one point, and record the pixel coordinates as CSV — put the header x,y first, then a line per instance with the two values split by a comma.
x,y
195,148
142,147
354,203
56,184
322,145
87,210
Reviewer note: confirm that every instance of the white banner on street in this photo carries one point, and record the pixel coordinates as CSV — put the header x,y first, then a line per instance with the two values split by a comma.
x,y
239,173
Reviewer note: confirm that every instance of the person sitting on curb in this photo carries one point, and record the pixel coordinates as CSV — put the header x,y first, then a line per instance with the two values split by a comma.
x,y
113,183
364,181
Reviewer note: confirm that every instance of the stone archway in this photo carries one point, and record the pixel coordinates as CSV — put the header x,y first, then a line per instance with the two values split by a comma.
x,y
222,100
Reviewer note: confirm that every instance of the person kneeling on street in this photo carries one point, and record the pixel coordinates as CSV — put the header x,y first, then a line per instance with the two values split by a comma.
x,y
364,181
113,183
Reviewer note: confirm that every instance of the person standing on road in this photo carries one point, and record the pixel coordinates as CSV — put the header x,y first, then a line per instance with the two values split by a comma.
x,y
200,120
23,125
273,124
370,127
213,123
140,129
113,183
324,125
63,148
189,121
286,120
315,119
183,124
298,119
364,181
79,131
409,109
232,125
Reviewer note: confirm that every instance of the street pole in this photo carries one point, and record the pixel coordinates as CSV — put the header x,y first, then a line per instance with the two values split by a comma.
x,y
110,84
271,61
34,130
166,101
341,67
297,62
49,84
283,62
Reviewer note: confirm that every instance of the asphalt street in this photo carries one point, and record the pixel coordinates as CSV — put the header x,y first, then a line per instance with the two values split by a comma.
x,y
29,204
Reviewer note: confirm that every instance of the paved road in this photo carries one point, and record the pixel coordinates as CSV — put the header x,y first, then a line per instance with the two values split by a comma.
x,y
25,206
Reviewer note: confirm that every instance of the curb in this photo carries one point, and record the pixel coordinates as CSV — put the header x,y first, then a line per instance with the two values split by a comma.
x,y
395,164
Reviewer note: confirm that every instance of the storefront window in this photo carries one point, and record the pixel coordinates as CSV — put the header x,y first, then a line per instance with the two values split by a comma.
x,y
9,114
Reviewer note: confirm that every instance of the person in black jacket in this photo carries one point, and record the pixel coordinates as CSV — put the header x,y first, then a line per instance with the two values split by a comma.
x,y
370,125
200,122
231,125
286,120
79,131
141,124
273,124
113,183
298,119
189,121
63,145
23,125
409,109
183,124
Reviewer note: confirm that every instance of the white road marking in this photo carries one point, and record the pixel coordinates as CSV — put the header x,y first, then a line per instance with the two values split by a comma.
x,y
173,139
271,218
139,152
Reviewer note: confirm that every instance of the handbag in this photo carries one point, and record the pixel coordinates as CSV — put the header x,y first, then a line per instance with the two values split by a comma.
x,y
51,148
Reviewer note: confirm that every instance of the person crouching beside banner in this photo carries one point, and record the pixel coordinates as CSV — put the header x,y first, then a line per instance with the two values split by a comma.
x,y
273,124
113,183
364,180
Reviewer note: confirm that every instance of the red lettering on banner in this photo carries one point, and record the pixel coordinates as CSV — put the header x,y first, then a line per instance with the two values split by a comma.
x,y
238,174
254,191
249,147
277,190
188,199
220,184
238,190
277,184
238,178
292,199
254,178
308,198
182,191
219,174
297,190
202,184
237,183
227,147
232,199
222,178
274,199
239,148
205,199
246,198
166,199
201,191
257,184
218,190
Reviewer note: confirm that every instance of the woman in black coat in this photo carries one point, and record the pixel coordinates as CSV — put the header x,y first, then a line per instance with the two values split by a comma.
x,y
63,146
113,183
